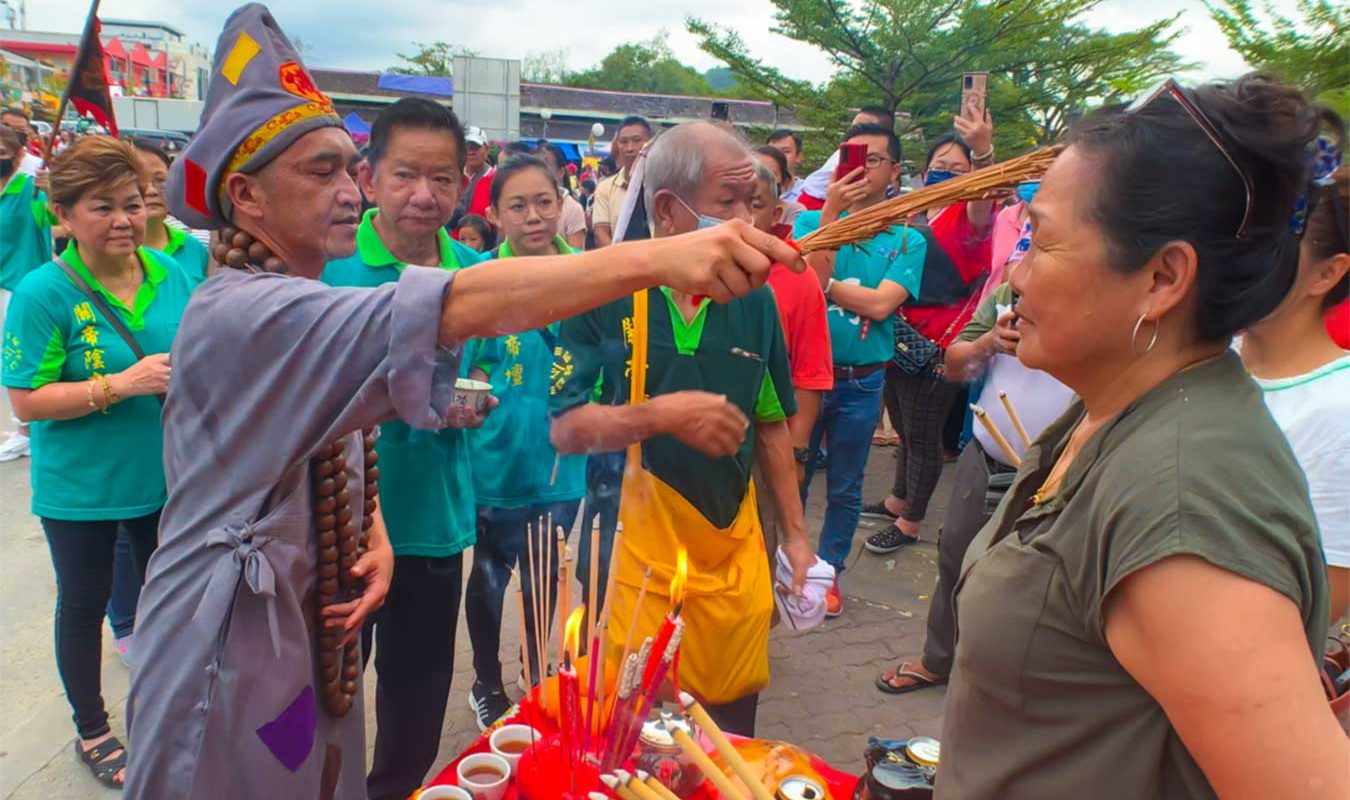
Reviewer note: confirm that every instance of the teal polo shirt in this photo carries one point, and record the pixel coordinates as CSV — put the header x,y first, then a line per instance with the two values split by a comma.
x,y
894,255
190,254
513,459
25,230
97,466
426,487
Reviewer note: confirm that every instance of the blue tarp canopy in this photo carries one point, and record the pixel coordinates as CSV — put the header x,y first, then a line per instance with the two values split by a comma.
x,y
422,84
355,125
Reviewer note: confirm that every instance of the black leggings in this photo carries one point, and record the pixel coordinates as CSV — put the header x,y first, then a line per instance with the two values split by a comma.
x,y
917,405
736,717
82,554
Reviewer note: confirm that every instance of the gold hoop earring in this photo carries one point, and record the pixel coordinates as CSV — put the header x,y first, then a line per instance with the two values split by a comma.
x,y
1134,336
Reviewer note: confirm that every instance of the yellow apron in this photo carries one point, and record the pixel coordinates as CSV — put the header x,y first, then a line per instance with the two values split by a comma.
x,y
728,603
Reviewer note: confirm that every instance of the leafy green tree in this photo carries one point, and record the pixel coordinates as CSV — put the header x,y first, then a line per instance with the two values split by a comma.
x,y
909,55
648,66
1313,52
435,58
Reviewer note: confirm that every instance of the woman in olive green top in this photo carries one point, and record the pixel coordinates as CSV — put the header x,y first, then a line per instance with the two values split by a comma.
x,y
97,443
1140,618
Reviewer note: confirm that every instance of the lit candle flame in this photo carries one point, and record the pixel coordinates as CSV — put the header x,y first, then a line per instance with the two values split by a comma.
x,y
572,632
680,578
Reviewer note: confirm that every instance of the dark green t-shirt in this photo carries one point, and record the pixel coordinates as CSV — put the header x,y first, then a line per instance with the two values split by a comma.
x,y
1038,706
735,349
98,466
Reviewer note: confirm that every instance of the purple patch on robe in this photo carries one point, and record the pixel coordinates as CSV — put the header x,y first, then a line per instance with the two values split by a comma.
x,y
290,736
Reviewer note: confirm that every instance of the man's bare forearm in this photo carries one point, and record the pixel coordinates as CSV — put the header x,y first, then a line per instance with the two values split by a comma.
x,y
595,428
773,453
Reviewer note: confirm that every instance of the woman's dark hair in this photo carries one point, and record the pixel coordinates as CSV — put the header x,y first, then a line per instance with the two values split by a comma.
x,y
588,185
418,113
481,225
508,169
778,158
11,139
1328,230
950,137
1163,180
873,129
147,146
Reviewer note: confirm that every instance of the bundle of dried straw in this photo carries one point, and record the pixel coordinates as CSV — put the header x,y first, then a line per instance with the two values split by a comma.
x,y
980,184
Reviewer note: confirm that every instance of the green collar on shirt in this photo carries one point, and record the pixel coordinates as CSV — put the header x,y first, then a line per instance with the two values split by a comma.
x,y
155,273
374,254
564,248
176,239
16,184
687,334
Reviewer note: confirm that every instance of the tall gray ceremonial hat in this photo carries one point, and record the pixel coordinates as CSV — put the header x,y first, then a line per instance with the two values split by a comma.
x,y
259,101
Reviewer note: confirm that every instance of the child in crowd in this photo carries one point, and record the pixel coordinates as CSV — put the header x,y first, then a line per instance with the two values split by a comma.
x,y
475,232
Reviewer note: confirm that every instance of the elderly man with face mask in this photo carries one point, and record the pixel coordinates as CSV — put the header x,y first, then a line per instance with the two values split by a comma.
x,y
272,547
698,392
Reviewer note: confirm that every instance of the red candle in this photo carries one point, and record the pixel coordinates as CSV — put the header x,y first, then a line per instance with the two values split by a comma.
x,y
677,587
569,692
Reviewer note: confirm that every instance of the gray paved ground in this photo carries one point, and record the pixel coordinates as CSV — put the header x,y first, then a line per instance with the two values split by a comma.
x,y
821,698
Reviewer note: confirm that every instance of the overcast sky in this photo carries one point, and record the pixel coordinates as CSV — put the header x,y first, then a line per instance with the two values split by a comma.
x,y
362,34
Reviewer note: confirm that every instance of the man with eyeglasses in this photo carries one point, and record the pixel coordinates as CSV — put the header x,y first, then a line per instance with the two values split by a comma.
x,y
864,285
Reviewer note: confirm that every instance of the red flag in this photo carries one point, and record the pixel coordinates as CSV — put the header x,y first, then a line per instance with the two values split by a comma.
x,y
87,86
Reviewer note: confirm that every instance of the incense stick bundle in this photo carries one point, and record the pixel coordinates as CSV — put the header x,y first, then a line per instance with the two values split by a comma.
x,y
1016,420
980,184
594,591
564,584
637,608
983,417
550,587
534,602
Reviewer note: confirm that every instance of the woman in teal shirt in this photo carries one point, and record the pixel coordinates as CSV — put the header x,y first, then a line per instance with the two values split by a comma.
x,y
25,243
518,477
97,442
190,254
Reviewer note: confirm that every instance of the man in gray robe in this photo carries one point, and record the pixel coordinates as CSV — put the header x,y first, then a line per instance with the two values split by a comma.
x,y
271,366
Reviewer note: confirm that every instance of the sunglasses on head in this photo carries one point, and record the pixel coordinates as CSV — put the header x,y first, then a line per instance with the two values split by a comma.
x,y
1173,89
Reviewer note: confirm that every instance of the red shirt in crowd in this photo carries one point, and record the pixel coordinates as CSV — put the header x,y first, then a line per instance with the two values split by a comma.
x,y
801,308
1338,324
971,253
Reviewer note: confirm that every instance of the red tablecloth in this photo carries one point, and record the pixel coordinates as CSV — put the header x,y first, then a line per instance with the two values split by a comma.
x,y
840,785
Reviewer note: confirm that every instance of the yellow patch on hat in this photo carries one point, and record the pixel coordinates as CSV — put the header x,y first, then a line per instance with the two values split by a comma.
x,y
245,48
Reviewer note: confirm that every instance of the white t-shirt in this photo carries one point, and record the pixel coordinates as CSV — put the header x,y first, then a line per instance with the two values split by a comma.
x,y
29,164
1037,398
1313,410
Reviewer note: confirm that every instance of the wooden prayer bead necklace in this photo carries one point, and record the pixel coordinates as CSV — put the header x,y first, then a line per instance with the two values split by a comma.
x,y
339,542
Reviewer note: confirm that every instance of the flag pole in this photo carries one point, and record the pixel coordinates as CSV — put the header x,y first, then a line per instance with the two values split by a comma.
x,y
89,25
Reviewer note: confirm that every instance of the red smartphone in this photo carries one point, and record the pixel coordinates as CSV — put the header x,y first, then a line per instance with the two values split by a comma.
x,y
851,156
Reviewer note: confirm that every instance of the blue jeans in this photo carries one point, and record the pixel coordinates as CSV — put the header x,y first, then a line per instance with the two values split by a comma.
x,y
126,588
604,482
501,546
848,417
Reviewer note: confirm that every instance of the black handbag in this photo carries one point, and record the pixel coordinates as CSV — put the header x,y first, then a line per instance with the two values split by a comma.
x,y
914,352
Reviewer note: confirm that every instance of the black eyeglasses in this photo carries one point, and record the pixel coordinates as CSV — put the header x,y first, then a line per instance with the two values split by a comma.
x,y
1173,89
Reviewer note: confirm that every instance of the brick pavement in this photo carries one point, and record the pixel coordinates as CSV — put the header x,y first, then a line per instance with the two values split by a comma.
x,y
821,698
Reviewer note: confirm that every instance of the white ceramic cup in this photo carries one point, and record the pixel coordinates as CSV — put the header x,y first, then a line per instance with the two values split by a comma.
x,y
472,394
513,733
443,792
484,791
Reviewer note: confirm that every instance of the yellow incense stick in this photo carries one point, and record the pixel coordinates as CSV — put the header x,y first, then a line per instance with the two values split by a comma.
x,y
1016,420
983,417
706,765
728,753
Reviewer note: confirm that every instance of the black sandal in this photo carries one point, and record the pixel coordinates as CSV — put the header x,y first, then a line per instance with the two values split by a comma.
x,y
102,763
920,681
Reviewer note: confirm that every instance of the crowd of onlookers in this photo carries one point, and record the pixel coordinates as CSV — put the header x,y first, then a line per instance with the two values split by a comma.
x,y
1002,303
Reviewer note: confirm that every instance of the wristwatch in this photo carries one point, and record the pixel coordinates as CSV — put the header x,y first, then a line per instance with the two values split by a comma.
x,y
802,454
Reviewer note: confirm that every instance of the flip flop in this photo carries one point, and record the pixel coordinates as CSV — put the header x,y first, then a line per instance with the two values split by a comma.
x,y
99,762
901,671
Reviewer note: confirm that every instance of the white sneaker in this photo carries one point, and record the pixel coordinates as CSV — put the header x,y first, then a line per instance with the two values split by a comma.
x,y
16,446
